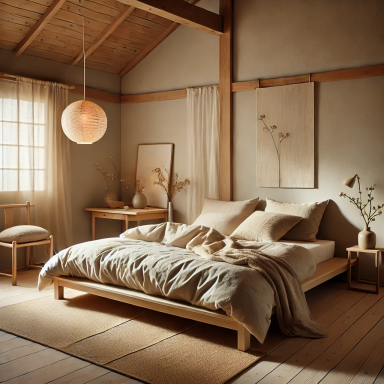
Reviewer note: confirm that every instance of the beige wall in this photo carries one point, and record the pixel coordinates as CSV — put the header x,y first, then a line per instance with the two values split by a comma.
x,y
348,133
283,38
88,186
87,183
272,39
186,58
158,122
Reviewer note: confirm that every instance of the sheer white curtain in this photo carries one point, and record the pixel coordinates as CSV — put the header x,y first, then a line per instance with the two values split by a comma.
x,y
34,155
203,129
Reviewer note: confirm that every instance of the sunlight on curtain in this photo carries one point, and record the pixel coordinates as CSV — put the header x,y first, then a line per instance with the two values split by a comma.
x,y
203,129
34,154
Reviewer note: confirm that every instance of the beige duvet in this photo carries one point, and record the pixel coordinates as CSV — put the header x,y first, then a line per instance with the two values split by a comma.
x,y
202,267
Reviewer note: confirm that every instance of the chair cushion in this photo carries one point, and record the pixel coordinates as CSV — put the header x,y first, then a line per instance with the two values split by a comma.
x,y
24,234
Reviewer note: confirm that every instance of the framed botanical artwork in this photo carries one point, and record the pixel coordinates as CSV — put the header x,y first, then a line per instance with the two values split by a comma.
x,y
149,157
285,149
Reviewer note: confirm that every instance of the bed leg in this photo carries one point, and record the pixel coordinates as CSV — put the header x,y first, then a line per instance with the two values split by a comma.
x,y
243,338
58,290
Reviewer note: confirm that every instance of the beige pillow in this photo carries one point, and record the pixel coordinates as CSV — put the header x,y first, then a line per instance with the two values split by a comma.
x,y
311,213
265,226
225,216
23,234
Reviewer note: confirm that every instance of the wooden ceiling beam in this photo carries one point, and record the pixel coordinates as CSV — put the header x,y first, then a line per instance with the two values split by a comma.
x,y
251,85
155,96
32,34
182,12
107,32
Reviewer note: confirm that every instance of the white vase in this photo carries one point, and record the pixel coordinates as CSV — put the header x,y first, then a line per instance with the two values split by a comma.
x,y
367,239
170,212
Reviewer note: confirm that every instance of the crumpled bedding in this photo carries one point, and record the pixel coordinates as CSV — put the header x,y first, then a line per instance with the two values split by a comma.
x,y
190,263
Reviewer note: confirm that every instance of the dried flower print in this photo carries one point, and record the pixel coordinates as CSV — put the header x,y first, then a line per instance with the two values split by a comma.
x,y
277,143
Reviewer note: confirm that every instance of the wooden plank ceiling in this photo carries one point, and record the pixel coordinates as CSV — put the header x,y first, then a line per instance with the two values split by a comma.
x,y
117,35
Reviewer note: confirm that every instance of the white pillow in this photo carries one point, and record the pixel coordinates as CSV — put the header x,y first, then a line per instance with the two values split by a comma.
x,y
225,216
311,213
265,226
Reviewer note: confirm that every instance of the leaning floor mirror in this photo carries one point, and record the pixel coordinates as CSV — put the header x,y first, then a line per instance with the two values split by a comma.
x,y
149,157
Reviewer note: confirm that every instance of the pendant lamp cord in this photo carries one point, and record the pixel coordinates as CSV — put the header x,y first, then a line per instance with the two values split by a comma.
x,y
83,46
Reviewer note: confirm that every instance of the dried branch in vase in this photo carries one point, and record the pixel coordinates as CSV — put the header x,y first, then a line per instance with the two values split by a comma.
x,y
368,211
106,176
280,138
176,186
128,180
140,186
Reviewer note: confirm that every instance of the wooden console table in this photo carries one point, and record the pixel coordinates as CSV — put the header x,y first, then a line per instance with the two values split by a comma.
x,y
127,215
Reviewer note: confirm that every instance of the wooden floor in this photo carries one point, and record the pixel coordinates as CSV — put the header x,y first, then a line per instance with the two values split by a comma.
x,y
22,361
353,352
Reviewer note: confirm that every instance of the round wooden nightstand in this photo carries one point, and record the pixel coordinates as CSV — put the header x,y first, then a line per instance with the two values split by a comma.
x,y
378,261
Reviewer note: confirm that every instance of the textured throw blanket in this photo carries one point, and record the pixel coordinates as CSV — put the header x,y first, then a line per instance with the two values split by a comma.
x,y
198,265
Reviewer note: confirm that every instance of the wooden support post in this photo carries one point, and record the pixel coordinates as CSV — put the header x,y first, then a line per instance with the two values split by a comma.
x,y
8,217
225,85
349,268
358,266
27,257
377,263
14,262
243,338
28,218
58,290
93,226
51,246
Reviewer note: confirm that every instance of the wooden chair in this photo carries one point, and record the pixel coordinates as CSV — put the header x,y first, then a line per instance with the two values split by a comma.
x,y
14,245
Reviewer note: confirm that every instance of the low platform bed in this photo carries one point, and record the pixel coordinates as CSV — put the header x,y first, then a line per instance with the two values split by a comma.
x,y
324,271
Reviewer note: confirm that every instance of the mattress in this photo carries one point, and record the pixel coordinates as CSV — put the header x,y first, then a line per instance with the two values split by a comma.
x,y
322,250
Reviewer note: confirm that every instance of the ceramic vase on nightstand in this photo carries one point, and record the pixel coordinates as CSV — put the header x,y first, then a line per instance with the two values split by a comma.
x,y
139,200
109,196
367,239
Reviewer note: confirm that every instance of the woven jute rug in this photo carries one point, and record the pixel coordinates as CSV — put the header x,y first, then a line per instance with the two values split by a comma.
x,y
146,345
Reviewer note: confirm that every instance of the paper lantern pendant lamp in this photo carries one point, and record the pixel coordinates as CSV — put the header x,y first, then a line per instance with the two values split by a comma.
x,y
84,122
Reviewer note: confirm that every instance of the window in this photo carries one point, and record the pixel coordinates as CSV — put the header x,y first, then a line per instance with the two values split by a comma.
x,y
22,145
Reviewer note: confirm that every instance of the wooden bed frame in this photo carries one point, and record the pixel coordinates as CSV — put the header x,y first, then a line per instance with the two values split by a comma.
x,y
324,272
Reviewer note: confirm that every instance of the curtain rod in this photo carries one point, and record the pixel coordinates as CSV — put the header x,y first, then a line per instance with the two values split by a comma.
x,y
13,77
